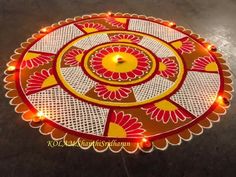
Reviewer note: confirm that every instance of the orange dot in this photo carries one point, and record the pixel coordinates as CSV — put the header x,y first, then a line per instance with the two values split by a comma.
x,y
120,60
44,30
144,140
172,24
109,13
145,143
11,68
220,100
211,47
40,114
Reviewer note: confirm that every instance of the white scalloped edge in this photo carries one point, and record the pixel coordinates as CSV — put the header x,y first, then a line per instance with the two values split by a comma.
x,y
69,20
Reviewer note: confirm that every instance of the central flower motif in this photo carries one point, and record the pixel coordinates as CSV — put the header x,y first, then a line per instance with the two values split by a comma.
x,y
120,63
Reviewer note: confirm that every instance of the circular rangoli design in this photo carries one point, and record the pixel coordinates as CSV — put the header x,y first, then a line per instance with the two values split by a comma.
x,y
118,81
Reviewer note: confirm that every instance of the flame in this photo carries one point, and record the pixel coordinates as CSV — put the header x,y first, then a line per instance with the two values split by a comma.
x,y
11,68
44,30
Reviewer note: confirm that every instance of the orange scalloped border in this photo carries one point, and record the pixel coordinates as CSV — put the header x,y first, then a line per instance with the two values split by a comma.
x,y
161,144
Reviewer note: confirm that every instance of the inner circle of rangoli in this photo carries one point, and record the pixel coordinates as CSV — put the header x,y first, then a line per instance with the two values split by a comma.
x,y
118,81
120,63
118,66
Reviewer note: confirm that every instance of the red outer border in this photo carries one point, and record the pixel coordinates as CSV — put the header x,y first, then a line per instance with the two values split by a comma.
x,y
164,135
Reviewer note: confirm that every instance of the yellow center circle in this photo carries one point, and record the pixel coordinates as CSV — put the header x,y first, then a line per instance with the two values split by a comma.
x,y
129,63
111,62
88,69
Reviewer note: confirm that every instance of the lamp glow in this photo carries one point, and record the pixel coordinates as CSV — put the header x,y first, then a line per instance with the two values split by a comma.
x,y
144,140
220,100
11,68
40,114
109,13
172,24
223,101
211,47
39,117
44,30
145,143
118,59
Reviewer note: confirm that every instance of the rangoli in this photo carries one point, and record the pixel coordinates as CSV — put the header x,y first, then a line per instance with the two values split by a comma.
x,y
118,81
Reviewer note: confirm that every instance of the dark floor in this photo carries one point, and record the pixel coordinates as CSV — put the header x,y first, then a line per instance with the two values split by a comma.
x,y
24,152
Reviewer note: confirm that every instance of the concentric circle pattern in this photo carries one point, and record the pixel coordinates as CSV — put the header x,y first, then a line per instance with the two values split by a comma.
x,y
117,81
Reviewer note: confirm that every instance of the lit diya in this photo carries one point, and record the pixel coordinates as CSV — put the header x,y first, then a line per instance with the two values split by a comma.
x,y
118,81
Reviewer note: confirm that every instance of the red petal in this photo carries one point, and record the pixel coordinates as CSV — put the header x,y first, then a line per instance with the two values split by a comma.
x,y
159,116
166,116
115,76
134,126
125,119
131,75
173,116
119,116
137,72
129,123
112,95
123,76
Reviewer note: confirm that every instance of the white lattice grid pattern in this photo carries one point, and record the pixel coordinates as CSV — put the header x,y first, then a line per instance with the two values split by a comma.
x,y
53,41
69,112
165,33
198,92
156,47
77,79
91,41
152,88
